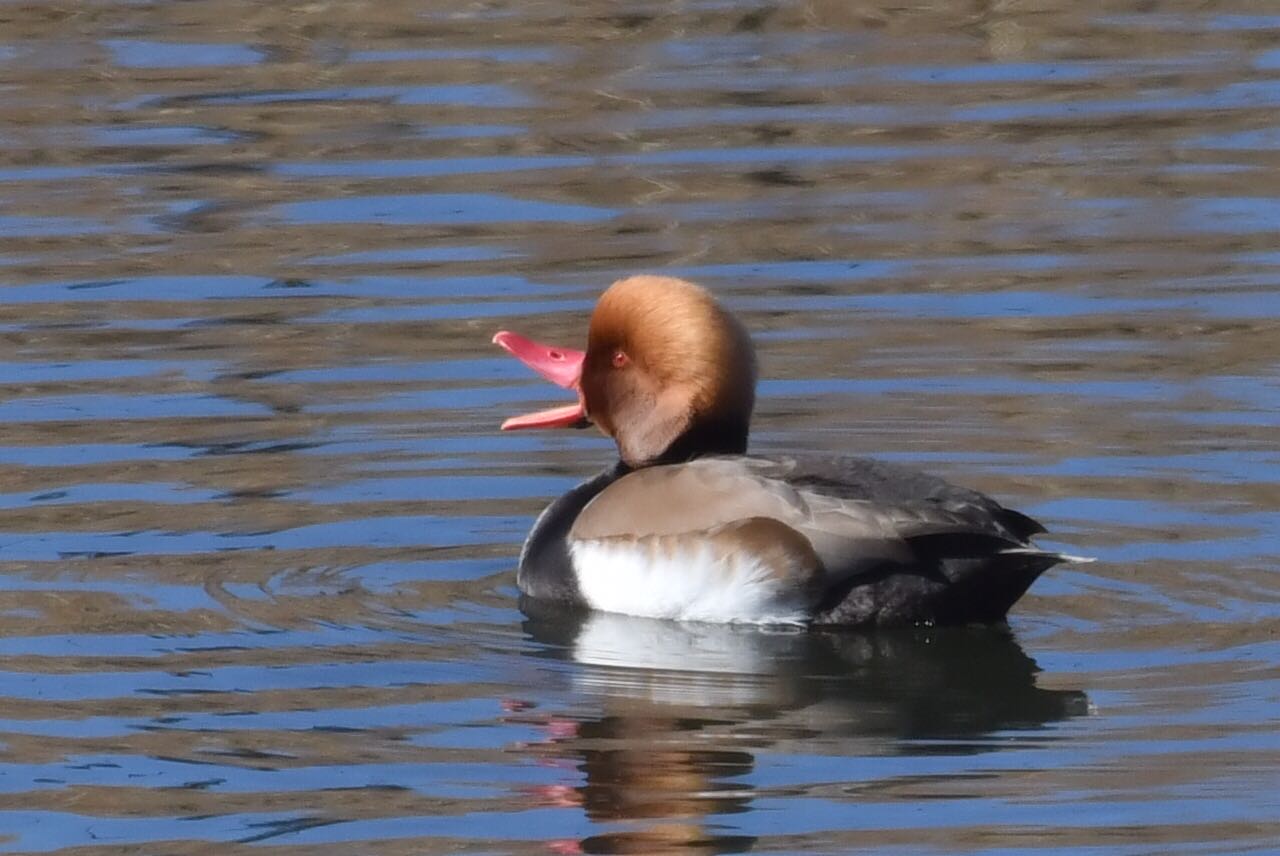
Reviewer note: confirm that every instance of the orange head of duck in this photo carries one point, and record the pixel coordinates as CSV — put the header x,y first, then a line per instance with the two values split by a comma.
x,y
668,373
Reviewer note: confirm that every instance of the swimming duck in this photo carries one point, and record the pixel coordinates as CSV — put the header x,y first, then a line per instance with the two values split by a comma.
x,y
688,526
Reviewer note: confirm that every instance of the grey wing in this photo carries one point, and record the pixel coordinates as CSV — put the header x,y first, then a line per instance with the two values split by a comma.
x,y
865,514
897,485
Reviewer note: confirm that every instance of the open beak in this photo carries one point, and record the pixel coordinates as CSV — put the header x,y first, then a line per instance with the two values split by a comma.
x,y
561,366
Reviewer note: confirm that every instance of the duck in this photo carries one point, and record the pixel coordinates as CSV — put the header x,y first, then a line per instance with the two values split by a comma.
x,y
687,525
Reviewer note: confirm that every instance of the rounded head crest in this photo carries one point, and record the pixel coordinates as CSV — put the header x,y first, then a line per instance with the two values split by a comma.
x,y
668,373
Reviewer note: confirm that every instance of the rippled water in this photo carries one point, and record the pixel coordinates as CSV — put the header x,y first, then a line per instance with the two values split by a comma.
x,y
258,529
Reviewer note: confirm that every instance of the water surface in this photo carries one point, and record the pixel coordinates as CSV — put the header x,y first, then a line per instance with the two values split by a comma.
x,y
258,529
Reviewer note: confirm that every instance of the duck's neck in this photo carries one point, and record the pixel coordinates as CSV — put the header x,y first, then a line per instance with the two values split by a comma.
x,y
706,437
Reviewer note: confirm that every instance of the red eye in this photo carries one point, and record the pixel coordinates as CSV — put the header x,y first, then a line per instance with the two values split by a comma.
x,y
620,359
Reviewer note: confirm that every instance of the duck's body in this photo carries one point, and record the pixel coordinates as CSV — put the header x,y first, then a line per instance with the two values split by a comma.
x,y
688,527
782,540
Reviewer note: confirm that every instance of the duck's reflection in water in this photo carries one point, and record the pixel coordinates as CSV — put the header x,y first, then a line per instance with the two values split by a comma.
x,y
677,713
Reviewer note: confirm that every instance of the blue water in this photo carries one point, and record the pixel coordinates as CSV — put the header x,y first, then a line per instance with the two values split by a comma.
x,y
258,527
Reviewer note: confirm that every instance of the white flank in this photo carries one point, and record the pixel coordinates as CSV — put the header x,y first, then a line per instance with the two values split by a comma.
x,y
688,584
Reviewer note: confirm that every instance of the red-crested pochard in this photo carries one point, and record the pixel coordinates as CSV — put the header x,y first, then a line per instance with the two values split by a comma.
x,y
687,526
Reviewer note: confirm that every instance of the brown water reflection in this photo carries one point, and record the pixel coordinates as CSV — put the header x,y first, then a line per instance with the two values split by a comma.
x,y
685,713
257,528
